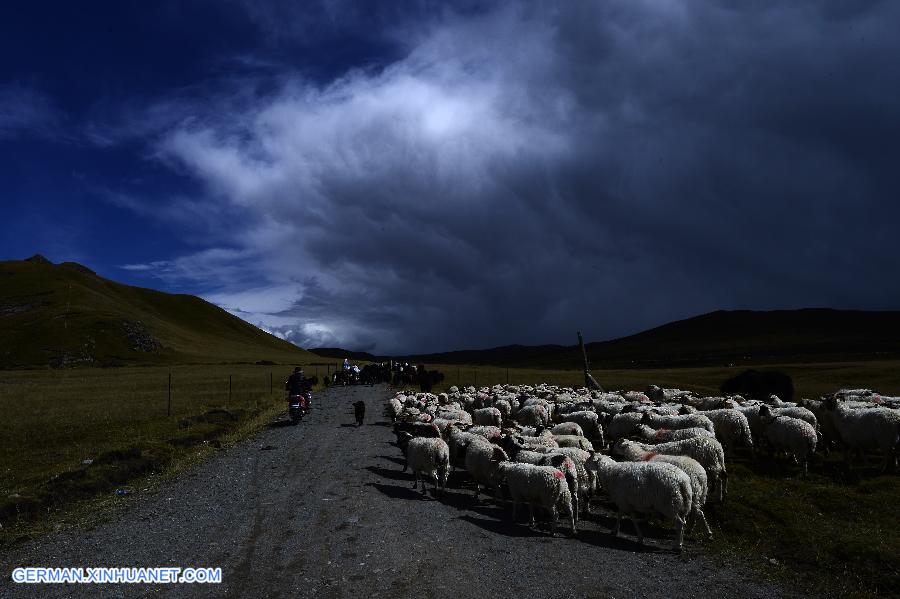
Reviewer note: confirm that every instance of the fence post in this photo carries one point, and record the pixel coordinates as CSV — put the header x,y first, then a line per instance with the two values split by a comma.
x,y
229,391
169,402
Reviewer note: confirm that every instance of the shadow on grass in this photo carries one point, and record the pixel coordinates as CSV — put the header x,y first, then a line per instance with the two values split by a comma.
x,y
383,423
348,425
279,424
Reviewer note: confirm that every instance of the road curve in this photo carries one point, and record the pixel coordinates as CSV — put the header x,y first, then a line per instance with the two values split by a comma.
x,y
322,510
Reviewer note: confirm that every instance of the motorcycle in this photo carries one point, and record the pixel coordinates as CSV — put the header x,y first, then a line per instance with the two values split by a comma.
x,y
298,406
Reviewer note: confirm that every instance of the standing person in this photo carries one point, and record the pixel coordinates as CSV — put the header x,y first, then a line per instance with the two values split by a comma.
x,y
346,364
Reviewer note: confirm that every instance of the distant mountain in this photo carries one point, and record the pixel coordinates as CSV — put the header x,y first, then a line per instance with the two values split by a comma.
x,y
65,315
339,354
722,337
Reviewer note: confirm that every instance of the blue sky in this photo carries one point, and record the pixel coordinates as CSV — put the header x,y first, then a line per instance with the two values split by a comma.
x,y
424,176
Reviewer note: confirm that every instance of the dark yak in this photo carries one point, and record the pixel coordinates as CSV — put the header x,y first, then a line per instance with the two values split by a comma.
x,y
760,384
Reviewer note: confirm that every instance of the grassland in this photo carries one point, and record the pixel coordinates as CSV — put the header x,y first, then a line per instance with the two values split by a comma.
x,y
810,380
117,418
833,533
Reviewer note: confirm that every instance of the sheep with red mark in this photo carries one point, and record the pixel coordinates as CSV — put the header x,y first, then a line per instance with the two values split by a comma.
x,y
664,435
561,462
699,482
707,451
538,486
645,488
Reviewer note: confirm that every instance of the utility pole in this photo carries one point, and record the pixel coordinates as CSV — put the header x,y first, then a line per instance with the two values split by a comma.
x,y
589,381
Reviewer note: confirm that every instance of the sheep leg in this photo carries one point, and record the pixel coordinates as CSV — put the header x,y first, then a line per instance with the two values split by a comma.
x,y
637,527
553,516
515,505
572,521
531,514
699,514
679,527
415,479
618,524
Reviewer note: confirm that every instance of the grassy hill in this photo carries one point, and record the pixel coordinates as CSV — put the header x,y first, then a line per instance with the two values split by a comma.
x,y
66,315
718,338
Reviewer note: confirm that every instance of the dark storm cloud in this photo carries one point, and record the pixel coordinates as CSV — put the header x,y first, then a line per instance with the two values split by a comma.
x,y
532,169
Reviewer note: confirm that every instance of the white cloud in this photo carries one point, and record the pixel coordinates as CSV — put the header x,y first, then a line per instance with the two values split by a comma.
x,y
520,170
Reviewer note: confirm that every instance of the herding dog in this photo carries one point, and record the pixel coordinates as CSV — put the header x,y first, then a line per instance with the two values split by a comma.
x,y
359,410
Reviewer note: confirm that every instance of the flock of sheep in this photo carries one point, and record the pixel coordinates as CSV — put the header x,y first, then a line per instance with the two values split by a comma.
x,y
662,452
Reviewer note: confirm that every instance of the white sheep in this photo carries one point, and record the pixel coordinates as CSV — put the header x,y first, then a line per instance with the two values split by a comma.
x,y
621,425
871,428
459,442
487,417
491,433
504,407
707,451
482,459
587,480
567,428
664,435
699,481
457,415
428,457
561,462
535,415
589,423
732,428
793,436
697,420
393,408
573,441
646,487
544,486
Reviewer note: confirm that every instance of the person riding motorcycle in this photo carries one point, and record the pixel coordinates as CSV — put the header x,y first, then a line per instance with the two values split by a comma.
x,y
298,387
296,384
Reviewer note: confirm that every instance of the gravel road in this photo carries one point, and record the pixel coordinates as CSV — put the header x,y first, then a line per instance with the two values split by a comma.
x,y
322,510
